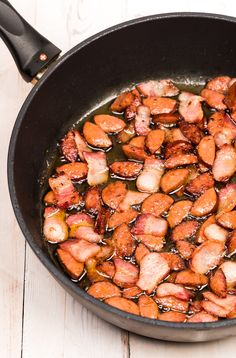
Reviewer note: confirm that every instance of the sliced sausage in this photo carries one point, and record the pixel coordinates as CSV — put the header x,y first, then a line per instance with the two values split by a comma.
x,y
95,136
140,252
117,218
206,150
72,267
147,307
202,316
127,133
171,316
106,268
75,171
173,289
148,224
124,242
200,184
122,102
180,159
133,152
175,262
81,250
219,84
227,199
103,290
126,169
154,140
166,118
185,249
191,278
173,303
132,198
205,204
185,230
177,147
225,163
92,199
126,274
191,132
159,105
156,204
218,283
178,211
214,99
123,304
200,235
174,179
109,124
114,193
131,292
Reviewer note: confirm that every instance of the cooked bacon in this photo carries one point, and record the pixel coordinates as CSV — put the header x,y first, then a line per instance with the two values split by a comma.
x,y
147,307
123,304
81,145
117,219
156,204
219,84
50,198
149,180
92,199
106,269
154,140
219,306
153,269
205,204
177,147
64,191
79,219
225,136
174,179
81,250
87,233
200,184
214,99
140,252
104,290
114,193
133,152
142,120
180,159
178,211
126,169
160,88
171,316
148,224
191,132
138,142
173,289
218,283
175,262
72,267
159,105
75,171
215,232
230,98
102,220
227,199
154,243
190,107
131,292
185,230
195,306
132,198
166,118
200,235
185,249
127,133
225,163
231,244
207,256
91,271
109,124
126,273
191,278
95,136
202,316
124,100
206,150
173,303
54,227
68,147
229,270
106,251
124,242
97,168
131,110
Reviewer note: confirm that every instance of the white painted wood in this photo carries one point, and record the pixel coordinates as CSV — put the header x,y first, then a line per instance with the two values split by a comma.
x,y
54,325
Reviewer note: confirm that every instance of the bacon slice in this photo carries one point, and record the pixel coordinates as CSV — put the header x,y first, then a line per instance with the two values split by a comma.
x,y
75,171
185,249
97,168
142,120
95,136
200,184
81,145
191,132
225,163
114,193
229,270
149,180
140,252
232,244
156,204
175,262
185,230
160,88
131,292
172,289
126,273
225,136
207,256
127,133
132,198
126,169
214,99
107,269
159,105
219,84
180,159
218,283
191,278
215,232
81,250
92,200
154,243
123,304
153,269
68,147
124,217
109,124
202,316
206,150
101,221
177,147
190,107
227,199
174,179
54,227
214,309
103,290
147,307
173,303
133,152
148,224
131,110
64,191
122,102
88,233
172,316
106,251
79,219
178,211
124,243
154,140
72,267
205,204
219,306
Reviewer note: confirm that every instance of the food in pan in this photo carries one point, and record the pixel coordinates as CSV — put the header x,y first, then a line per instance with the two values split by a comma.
x,y
140,210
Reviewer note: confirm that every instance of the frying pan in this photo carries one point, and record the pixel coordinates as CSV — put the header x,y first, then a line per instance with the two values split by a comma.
x,y
183,46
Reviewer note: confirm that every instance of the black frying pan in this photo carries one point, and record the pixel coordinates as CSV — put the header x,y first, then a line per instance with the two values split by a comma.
x,y
179,45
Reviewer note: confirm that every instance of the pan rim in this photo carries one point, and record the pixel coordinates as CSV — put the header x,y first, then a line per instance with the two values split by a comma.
x,y
45,260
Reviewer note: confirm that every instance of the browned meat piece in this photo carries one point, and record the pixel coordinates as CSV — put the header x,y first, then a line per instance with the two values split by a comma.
x,y
154,243
117,219
104,290
173,289
206,150
230,98
131,292
76,220
229,270
225,163
97,168
126,169
178,211
123,304
147,307
142,121
68,147
81,144
126,273
124,100
200,235
219,306
214,99
50,198
185,230
191,131
219,84
166,118
109,124
114,193
173,303
135,153
174,179
149,180
215,232
232,244
140,252
171,316
180,159
205,204
95,136
154,140
81,250
92,199
132,198
227,199
207,256
175,262
218,283
202,316
127,133
148,224
177,147
88,233
106,251
190,107
138,142
75,171
200,184
156,204
64,191
91,271
190,278
160,88
124,242
131,110
159,105
185,249
72,267
101,221
54,227
107,269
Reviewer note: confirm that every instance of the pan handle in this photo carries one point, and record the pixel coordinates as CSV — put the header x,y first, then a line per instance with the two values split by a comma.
x,y
31,51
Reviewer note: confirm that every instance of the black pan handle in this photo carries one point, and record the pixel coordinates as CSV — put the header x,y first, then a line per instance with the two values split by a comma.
x,y
30,50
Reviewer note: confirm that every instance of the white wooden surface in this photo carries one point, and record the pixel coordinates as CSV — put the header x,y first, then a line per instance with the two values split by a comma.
x,y
37,318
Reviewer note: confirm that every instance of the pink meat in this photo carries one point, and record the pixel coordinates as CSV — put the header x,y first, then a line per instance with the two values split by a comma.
x,y
172,289
132,198
207,256
97,168
54,227
64,190
81,145
149,180
88,233
158,88
202,316
142,120
81,250
190,107
225,163
126,273
148,224
227,199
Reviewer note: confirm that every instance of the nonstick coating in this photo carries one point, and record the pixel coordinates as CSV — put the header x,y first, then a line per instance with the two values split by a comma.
x,y
184,45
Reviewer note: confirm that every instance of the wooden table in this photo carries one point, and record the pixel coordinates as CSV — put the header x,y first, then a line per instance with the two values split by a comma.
x,y
37,317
